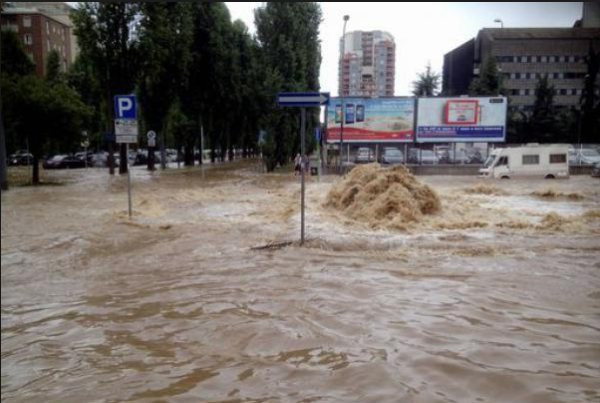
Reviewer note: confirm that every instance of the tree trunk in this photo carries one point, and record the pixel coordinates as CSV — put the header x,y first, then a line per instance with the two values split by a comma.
x,y
36,169
3,167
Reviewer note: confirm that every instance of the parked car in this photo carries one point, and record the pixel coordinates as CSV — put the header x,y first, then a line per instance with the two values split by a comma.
x,y
64,162
20,160
86,156
364,156
583,156
392,155
423,157
596,171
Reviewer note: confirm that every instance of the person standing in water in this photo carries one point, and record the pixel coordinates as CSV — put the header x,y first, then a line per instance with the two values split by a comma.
x,y
297,164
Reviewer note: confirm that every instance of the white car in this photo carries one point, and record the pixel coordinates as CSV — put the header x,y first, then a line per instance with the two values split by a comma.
x,y
584,156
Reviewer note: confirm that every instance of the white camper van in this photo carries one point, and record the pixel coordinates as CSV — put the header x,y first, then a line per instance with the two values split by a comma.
x,y
532,160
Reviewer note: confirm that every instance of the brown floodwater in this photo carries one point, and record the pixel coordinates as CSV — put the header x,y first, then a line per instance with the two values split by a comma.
x,y
495,298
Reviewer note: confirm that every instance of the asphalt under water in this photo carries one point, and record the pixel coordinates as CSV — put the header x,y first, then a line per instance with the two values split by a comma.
x,y
494,299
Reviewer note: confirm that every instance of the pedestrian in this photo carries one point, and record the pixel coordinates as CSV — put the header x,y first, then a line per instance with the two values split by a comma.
x,y
297,164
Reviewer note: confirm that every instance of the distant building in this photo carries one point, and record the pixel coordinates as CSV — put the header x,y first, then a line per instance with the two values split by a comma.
x,y
368,66
524,55
39,34
591,15
58,10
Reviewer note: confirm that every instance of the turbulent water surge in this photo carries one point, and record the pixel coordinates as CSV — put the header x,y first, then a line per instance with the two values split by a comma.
x,y
493,297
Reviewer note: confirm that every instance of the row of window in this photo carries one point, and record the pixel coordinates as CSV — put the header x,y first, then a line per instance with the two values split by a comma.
x,y
535,159
561,91
540,59
555,76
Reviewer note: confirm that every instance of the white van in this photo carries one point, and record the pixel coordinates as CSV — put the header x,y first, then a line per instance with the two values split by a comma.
x,y
533,160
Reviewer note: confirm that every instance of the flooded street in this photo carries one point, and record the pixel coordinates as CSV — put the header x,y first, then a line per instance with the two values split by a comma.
x,y
496,298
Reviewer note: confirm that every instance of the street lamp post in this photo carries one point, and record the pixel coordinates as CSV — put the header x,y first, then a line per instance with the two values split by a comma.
x,y
343,117
499,21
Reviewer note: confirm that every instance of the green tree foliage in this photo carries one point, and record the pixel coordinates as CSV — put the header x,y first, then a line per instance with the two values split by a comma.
x,y
106,34
288,35
14,59
166,34
489,82
427,83
44,113
543,122
53,69
83,80
49,116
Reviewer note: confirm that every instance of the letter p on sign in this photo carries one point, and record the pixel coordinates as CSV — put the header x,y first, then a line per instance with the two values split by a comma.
x,y
125,107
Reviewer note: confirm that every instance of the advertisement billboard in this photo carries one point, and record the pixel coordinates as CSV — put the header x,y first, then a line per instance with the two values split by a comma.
x,y
372,120
443,120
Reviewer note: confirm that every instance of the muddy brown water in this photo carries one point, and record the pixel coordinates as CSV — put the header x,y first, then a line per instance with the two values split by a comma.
x,y
176,306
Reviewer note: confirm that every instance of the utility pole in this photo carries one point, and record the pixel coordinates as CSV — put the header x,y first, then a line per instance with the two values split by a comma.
x,y
4,175
346,18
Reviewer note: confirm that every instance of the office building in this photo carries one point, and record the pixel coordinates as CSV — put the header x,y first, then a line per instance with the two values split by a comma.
x,y
367,64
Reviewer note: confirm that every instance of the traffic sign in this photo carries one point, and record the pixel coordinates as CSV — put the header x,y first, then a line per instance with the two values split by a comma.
x,y
126,139
303,99
151,135
126,127
318,134
85,143
125,107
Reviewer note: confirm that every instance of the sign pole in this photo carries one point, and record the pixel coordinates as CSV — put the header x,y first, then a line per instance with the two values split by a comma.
x,y
129,182
303,166
303,100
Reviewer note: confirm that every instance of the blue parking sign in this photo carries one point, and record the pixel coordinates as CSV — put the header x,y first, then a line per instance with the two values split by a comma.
x,y
125,107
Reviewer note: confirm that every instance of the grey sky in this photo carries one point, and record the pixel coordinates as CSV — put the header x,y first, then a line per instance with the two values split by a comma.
x,y
424,32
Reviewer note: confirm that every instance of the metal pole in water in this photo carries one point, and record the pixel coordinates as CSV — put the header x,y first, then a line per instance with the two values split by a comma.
x,y
128,182
303,169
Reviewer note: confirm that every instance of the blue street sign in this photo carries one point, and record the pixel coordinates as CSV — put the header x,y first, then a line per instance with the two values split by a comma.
x,y
125,107
318,134
303,99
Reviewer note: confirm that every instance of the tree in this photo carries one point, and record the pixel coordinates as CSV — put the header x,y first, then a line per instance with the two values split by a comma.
x,y
53,69
427,83
489,82
49,115
166,34
590,100
106,34
543,122
288,35
82,79
14,60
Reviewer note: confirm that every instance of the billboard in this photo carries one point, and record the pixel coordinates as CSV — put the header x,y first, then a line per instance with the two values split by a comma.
x,y
371,120
442,120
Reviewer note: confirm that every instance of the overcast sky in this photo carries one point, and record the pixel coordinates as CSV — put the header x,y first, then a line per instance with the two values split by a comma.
x,y
424,32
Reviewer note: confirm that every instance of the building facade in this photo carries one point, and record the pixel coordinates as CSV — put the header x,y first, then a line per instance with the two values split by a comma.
x,y
60,11
367,64
40,34
524,55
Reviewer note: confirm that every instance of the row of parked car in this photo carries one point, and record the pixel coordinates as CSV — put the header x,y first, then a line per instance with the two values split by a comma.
x,y
445,155
393,155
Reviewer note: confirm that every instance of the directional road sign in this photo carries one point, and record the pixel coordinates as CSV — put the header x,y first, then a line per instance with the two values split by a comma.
x,y
303,99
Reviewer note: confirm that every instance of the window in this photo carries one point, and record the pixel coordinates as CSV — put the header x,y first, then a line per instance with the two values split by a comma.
x,y
555,76
47,28
27,22
527,76
503,161
518,76
544,59
531,160
535,59
563,91
28,39
573,92
558,158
